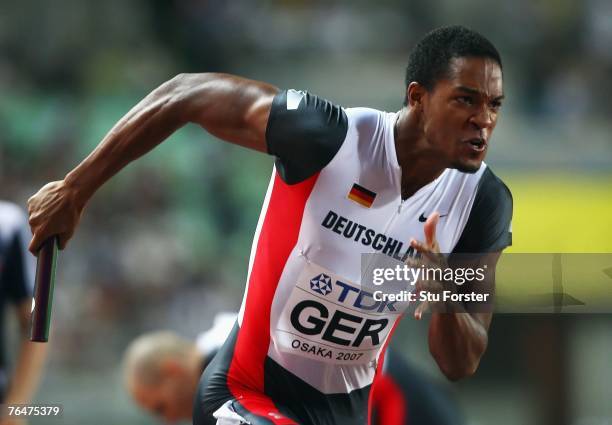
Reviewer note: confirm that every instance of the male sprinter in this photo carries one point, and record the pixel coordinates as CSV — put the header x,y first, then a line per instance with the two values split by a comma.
x,y
16,287
346,181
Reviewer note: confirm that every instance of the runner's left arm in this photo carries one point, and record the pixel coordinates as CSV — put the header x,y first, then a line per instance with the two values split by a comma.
x,y
459,338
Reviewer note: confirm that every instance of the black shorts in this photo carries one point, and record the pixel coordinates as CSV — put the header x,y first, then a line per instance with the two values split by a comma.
x,y
285,399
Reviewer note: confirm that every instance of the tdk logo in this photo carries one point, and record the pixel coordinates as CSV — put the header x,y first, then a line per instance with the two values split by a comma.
x,y
362,300
351,295
321,284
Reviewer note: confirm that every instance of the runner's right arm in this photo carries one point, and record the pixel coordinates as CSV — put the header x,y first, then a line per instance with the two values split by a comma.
x,y
229,107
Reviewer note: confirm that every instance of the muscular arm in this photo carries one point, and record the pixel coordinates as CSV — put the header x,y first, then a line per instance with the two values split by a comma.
x,y
231,108
458,340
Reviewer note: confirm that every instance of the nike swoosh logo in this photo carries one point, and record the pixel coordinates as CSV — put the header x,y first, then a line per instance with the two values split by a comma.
x,y
423,219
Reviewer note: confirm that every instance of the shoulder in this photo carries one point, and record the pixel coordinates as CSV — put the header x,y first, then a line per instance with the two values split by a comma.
x,y
493,194
298,112
304,132
492,186
493,199
488,227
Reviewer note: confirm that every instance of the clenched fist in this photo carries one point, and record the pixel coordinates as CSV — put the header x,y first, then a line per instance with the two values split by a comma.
x,y
54,210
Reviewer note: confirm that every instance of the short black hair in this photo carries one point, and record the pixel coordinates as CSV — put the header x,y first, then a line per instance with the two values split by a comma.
x,y
429,61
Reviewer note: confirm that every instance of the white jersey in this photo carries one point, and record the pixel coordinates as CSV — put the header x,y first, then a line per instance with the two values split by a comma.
x,y
335,193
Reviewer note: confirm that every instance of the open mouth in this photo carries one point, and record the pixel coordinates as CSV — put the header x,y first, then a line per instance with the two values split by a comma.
x,y
477,144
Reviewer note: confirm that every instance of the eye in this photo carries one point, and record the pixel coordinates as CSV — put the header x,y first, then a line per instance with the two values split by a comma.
x,y
495,105
466,100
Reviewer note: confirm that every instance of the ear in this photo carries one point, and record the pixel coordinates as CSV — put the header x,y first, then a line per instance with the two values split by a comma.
x,y
415,94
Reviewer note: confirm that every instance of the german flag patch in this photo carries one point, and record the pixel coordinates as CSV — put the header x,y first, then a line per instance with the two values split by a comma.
x,y
361,195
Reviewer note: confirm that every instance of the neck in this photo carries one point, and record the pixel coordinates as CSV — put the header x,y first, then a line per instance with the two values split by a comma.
x,y
419,162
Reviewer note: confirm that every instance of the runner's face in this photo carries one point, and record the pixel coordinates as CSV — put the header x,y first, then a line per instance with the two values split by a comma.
x,y
461,111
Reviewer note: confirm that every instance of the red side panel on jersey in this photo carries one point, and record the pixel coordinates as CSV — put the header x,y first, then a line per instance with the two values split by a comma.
x,y
278,236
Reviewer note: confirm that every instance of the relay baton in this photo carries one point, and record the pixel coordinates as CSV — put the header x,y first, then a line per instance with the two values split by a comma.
x,y
43,290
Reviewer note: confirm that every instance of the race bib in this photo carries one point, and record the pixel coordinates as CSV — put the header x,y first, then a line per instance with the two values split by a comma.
x,y
331,319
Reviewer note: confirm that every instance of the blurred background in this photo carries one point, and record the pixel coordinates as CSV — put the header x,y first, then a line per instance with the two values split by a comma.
x,y
166,243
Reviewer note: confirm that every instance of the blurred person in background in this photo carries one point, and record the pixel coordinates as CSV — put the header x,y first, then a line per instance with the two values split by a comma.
x,y
162,370
17,270
419,167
